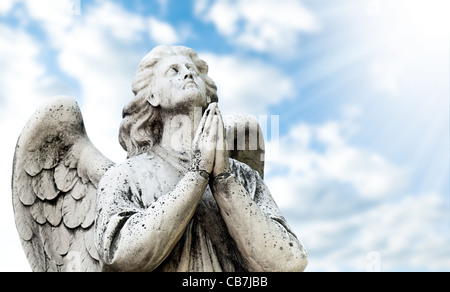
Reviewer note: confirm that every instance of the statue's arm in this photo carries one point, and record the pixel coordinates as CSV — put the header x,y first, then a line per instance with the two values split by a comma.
x,y
265,241
130,237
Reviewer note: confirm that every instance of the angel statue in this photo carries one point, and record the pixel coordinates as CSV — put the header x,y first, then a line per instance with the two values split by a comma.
x,y
180,201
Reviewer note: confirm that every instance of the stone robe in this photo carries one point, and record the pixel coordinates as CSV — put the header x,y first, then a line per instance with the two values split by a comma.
x,y
130,192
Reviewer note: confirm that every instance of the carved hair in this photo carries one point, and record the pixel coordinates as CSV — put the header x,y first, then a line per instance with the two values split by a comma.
x,y
141,127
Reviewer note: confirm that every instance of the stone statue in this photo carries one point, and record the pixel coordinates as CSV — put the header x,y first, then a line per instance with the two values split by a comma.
x,y
178,203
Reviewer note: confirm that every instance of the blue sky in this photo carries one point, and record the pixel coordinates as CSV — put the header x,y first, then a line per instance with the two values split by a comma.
x,y
361,88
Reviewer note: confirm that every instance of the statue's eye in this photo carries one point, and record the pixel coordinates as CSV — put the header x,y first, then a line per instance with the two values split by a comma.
x,y
173,70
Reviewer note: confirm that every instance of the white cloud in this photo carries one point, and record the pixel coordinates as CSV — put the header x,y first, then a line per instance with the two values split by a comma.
x,y
224,16
112,18
58,19
315,155
262,25
407,234
21,72
247,86
345,202
6,6
24,82
162,32
59,22
54,16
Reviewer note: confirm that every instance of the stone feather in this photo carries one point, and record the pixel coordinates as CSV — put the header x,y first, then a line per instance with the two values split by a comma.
x,y
55,177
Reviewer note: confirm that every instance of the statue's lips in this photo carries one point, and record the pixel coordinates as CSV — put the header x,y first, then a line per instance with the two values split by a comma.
x,y
190,84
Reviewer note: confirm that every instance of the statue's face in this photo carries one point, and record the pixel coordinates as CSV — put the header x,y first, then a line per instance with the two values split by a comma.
x,y
178,84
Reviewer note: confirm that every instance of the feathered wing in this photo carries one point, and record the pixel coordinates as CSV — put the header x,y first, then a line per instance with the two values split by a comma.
x,y
54,186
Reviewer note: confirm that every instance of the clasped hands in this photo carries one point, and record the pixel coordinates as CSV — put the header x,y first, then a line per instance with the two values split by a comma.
x,y
209,153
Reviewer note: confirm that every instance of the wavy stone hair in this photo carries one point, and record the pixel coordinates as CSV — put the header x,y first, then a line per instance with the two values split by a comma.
x,y
141,127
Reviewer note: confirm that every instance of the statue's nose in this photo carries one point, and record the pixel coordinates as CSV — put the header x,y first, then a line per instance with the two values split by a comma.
x,y
187,73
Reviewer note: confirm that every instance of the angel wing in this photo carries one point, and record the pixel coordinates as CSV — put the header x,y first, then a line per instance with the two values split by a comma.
x,y
56,172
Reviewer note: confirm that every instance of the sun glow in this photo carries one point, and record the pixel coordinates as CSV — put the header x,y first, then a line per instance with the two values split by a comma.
x,y
429,19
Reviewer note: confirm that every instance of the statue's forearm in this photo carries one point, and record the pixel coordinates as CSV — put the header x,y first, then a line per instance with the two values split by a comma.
x,y
148,237
263,242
